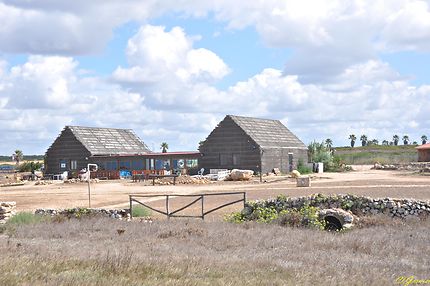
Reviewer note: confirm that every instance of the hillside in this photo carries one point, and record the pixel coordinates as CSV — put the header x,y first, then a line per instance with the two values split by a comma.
x,y
377,153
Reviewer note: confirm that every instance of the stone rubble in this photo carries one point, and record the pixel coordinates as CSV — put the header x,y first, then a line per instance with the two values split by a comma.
x,y
120,214
7,210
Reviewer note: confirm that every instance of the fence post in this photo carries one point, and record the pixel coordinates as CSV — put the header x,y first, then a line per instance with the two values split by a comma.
x,y
244,199
167,206
203,212
131,208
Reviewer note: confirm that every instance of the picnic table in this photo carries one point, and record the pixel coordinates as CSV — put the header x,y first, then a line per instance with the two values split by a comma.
x,y
155,176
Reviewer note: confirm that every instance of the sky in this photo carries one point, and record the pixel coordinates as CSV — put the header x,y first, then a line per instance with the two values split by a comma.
x,y
171,70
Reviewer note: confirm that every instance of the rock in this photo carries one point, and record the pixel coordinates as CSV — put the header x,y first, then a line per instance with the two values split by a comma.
x,y
295,174
241,175
303,181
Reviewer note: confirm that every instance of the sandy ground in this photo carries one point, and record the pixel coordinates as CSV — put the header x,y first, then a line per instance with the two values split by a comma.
x,y
115,194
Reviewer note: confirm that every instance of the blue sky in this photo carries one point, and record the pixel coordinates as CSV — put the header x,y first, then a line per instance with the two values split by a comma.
x,y
172,72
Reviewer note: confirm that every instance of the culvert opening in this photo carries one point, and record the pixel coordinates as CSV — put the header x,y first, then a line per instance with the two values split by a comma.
x,y
332,223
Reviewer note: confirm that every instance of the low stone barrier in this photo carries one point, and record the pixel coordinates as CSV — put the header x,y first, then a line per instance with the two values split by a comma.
x,y
423,167
7,210
79,212
357,205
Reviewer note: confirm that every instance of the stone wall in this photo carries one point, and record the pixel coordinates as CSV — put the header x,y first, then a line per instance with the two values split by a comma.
x,y
357,205
79,212
413,166
7,210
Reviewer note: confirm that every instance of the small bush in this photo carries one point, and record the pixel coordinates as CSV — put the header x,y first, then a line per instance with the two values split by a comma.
x,y
26,218
302,168
140,211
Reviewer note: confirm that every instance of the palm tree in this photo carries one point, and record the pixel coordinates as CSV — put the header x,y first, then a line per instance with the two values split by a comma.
x,y
363,139
424,139
328,143
164,146
396,139
18,156
405,139
352,138
385,142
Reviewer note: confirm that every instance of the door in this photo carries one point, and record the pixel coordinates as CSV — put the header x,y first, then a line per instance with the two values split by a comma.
x,y
290,162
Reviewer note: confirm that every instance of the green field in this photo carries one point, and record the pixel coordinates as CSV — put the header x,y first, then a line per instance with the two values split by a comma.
x,y
377,153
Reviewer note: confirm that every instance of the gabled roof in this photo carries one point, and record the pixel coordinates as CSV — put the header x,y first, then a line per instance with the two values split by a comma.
x,y
109,141
423,147
268,133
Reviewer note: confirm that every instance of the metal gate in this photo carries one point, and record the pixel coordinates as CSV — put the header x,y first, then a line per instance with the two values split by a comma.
x,y
199,199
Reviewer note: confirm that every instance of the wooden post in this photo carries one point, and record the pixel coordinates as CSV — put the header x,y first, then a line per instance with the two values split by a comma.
x,y
203,212
167,206
131,207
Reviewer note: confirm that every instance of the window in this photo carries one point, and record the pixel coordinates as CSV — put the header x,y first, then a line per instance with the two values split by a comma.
x,y
192,163
73,165
178,164
63,164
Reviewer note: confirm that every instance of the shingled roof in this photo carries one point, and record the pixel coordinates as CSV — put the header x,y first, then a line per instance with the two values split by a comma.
x,y
268,133
109,141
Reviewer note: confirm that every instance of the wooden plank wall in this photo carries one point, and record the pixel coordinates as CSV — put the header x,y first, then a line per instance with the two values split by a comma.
x,y
226,140
65,147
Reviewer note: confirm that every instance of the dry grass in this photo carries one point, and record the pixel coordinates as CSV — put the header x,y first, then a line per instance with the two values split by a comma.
x,y
177,252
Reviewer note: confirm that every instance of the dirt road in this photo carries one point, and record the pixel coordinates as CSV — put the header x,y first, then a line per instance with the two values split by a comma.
x,y
365,182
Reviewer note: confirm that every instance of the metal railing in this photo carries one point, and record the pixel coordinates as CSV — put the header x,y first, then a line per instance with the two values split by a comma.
x,y
198,198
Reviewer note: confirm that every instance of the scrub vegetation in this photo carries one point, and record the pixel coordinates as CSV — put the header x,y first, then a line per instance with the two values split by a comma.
x,y
102,251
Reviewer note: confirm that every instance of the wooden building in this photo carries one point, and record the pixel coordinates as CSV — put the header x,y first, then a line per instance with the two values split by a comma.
x,y
115,151
423,153
252,143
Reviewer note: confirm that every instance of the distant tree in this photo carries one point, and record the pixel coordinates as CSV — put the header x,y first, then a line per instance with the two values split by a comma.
x,y
18,156
363,139
385,142
374,142
164,147
424,139
405,139
328,143
396,139
352,138
391,143
415,143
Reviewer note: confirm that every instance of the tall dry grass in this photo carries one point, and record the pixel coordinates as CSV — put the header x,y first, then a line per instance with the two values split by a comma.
x,y
177,252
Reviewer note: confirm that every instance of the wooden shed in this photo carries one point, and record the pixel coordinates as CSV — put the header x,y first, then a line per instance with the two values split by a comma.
x,y
423,153
252,143
76,146
115,151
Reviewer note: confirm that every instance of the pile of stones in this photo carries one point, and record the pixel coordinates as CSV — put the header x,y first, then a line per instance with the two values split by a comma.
x,y
121,214
7,210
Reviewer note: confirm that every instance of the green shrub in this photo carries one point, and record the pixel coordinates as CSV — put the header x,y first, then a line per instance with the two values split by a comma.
x,y
140,211
26,218
302,168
